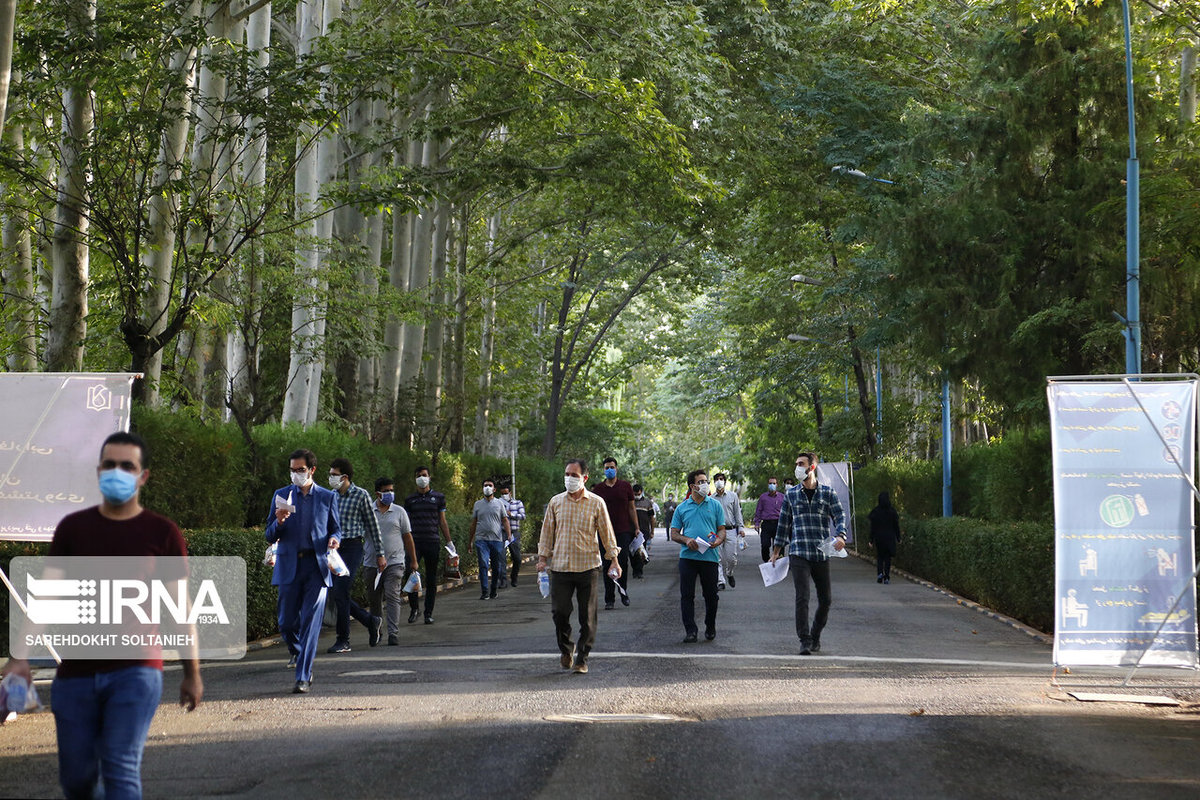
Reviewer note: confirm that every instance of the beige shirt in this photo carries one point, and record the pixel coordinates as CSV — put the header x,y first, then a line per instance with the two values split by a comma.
x,y
572,531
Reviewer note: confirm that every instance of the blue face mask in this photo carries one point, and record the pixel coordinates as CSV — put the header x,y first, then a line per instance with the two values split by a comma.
x,y
771,487
118,486
387,498
610,473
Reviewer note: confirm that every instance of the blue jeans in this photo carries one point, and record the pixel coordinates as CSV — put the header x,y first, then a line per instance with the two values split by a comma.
x,y
491,562
102,721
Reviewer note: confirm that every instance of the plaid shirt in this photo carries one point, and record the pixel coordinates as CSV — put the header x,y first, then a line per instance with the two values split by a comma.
x,y
357,516
570,532
804,524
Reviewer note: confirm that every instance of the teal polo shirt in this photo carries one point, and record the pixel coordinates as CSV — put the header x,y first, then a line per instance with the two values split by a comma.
x,y
698,520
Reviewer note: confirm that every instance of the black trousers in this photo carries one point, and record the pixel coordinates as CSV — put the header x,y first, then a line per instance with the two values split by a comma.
x,y
766,535
803,570
706,571
351,551
883,563
610,586
583,588
429,554
514,549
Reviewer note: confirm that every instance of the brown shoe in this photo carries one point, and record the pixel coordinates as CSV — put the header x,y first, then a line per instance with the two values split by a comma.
x,y
580,668
565,661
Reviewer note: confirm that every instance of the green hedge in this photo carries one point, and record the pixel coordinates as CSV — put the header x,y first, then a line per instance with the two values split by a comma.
x,y
1005,566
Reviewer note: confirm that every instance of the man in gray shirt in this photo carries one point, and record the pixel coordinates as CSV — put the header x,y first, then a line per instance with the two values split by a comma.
x,y
489,531
733,525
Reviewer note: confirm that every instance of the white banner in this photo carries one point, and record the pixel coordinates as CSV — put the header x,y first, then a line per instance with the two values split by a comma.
x,y
1123,521
839,476
51,428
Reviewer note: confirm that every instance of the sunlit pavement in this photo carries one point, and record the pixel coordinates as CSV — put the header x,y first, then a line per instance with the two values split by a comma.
x,y
912,695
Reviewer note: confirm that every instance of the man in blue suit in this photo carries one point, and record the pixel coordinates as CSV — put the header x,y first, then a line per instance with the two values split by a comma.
x,y
304,522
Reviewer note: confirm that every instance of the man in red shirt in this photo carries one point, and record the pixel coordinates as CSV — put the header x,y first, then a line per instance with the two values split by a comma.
x,y
618,499
103,708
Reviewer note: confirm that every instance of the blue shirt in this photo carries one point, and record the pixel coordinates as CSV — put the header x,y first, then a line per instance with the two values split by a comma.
x,y
804,523
698,520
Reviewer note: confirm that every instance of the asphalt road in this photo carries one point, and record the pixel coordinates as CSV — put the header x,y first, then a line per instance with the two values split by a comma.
x,y
913,695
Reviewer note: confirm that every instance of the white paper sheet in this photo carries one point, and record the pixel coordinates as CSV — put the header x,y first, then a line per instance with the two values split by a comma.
x,y
774,573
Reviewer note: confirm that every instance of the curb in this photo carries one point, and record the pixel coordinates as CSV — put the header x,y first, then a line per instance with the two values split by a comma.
x,y
1015,624
447,586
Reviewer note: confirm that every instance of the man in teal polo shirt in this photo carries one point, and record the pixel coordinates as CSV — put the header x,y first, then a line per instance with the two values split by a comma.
x,y
699,526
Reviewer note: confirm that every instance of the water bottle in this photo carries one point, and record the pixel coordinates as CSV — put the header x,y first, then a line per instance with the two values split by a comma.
x,y
544,583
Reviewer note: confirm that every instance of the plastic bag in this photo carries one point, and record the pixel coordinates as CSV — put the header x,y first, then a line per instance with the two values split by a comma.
x,y
336,565
18,695
269,556
413,584
828,549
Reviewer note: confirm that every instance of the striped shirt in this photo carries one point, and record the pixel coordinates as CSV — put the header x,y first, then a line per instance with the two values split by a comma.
x,y
804,523
357,517
570,532
425,513
516,513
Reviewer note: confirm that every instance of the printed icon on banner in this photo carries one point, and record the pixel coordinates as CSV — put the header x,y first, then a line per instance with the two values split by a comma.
x,y
60,602
1171,410
1142,508
1073,609
1089,563
1161,617
1116,510
1168,563
1172,432
99,398
1171,453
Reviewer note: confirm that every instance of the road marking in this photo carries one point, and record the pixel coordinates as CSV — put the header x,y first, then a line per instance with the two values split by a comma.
x,y
616,718
372,673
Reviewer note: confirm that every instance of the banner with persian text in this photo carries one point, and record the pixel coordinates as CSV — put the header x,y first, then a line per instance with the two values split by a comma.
x,y
51,429
1124,465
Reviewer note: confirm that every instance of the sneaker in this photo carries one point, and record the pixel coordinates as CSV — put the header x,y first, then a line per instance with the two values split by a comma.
x,y
880,578
887,580
393,640
429,619
732,582
721,586
816,646
483,596
339,647
412,616
691,637
492,596
565,660
579,668
374,630
806,647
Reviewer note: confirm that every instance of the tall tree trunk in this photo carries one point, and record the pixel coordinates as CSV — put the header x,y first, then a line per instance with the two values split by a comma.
x,y
20,280
1187,86
418,282
8,16
436,330
558,368
67,324
458,360
487,341
403,226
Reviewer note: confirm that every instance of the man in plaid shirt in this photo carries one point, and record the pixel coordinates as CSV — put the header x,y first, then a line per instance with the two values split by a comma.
x,y
516,513
803,525
574,521
358,522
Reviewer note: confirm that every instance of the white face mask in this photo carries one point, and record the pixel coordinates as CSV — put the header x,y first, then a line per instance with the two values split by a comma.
x,y
801,474
573,483
301,479
422,481
702,488
335,481
488,491
720,485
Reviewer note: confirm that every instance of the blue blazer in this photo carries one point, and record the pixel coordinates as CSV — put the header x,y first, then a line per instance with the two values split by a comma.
x,y
325,525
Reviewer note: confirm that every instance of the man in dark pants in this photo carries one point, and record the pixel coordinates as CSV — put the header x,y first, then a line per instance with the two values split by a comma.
x,y
427,513
618,499
766,516
358,522
699,526
803,527
575,520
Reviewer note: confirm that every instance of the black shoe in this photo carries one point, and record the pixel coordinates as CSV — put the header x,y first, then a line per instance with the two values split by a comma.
x,y
691,637
513,583
492,596
732,582
483,596
806,647
710,635
301,687
291,662
624,599
880,578
393,640
609,606
428,619
887,580
816,646
504,583
412,616
339,647
374,630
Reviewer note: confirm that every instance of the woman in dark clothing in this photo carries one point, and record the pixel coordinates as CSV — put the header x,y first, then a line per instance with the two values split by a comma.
x,y
885,535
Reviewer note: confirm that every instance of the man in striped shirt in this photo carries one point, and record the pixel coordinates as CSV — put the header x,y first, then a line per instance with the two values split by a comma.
x,y
574,521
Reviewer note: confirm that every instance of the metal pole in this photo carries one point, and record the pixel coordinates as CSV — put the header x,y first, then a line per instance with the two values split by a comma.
x,y
947,503
1133,319
878,398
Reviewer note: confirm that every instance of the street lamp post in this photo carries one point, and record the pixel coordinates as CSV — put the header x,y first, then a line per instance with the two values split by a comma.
x,y
1133,279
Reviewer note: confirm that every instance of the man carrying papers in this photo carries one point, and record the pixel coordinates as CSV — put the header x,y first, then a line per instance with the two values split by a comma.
x,y
699,526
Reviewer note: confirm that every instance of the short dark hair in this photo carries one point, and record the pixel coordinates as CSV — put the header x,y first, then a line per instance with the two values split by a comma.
x,y
607,460
417,472
637,487
342,465
486,481
691,476
720,476
772,478
125,437
310,458
812,458
382,481
582,464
